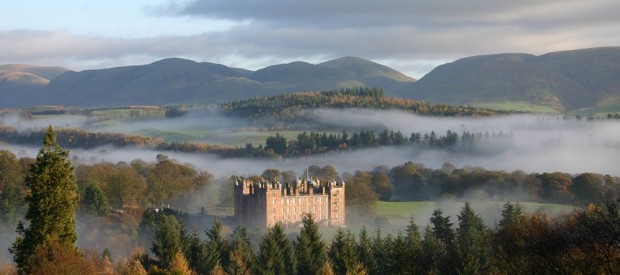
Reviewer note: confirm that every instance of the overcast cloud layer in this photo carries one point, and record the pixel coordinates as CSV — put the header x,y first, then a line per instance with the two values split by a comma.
x,y
410,36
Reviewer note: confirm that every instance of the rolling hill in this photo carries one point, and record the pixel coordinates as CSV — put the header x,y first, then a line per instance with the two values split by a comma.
x,y
175,80
563,81
586,79
18,82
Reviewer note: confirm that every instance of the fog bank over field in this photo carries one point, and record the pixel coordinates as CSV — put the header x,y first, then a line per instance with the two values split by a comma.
x,y
536,143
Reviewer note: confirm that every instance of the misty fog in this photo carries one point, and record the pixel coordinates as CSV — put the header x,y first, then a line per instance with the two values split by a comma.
x,y
538,143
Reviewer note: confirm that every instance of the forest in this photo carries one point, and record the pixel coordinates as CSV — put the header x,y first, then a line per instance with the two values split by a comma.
x,y
170,212
285,111
275,146
121,233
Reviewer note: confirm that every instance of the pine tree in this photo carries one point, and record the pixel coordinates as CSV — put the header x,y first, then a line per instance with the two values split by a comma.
x,y
442,227
365,251
241,254
276,253
342,252
216,248
52,202
168,239
12,205
310,248
94,201
473,243
510,241
433,254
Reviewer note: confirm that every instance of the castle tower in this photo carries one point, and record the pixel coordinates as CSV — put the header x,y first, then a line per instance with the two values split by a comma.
x,y
336,203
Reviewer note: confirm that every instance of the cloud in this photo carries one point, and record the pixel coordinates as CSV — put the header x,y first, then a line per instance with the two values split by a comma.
x,y
411,36
370,13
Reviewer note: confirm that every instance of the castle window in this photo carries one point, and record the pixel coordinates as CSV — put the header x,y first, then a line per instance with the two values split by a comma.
x,y
274,201
281,200
336,215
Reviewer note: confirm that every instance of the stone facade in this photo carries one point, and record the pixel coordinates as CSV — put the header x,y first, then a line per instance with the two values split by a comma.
x,y
267,203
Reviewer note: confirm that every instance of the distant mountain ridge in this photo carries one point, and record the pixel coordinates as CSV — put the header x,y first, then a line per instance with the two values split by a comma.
x,y
176,80
562,81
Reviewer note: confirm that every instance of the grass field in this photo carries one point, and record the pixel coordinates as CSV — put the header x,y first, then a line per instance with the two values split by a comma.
x,y
517,106
399,213
599,110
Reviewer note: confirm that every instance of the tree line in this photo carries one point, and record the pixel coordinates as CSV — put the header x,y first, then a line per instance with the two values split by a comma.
x,y
285,109
138,184
275,146
315,142
583,241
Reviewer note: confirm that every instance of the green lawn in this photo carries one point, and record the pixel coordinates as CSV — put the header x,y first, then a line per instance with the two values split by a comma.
x,y
599,110
517,106
399,213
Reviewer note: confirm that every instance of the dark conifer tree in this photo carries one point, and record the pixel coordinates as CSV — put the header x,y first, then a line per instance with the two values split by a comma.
x,y
433,255
510,241
94,201
276,254
194,249
342,252
310,247
241,255
12,206
365,251
473,243
442,227
216,248
414,246
52,201
168,239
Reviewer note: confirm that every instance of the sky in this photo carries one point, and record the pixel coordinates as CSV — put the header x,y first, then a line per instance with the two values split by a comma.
x,y
408,35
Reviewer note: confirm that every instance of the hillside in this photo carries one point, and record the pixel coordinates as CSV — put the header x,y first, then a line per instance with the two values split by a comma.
x,y
564,81
175,80
19,82
583,80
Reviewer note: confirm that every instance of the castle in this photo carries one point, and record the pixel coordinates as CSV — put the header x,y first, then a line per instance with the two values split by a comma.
x,y
266,203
